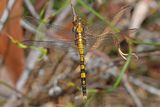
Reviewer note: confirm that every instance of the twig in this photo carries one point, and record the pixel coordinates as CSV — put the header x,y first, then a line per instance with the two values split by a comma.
x,y
144,86
31,9
152,53
49,10
12,88
31,60
5,14
123,55
17,94
27,26
131,92
73,11
64,14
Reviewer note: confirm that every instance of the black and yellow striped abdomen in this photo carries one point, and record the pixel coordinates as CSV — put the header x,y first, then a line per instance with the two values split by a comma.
x,y
82,65
80,41
83,75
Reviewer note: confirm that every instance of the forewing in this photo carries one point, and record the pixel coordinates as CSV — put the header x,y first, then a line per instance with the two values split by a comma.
x,y
44,28
108,38
50,44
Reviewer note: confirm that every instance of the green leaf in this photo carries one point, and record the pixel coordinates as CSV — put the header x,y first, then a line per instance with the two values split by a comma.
x,y
21,45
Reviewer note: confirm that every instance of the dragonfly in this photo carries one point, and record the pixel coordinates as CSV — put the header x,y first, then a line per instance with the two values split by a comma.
x,y
81,38
82,41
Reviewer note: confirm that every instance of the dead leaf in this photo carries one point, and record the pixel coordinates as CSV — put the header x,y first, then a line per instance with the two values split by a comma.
x,y
13,56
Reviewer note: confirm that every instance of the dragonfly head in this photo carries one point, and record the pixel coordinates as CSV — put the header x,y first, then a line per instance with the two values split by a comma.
x,y
82,21
78,25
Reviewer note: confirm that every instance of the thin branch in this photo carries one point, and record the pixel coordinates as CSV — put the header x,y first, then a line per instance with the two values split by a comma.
x,y
5,13
131,92
31,9
144,86
49,10
19,94
73,11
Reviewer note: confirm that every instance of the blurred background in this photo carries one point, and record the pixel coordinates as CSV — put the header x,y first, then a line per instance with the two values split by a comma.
x,y
121,72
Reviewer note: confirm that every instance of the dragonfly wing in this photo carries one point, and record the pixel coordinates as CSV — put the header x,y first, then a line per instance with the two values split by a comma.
x,y
108,38
57,44
45,28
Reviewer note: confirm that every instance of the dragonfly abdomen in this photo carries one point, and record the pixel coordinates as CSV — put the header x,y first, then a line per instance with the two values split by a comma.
x,y
81,46
80,42
83,75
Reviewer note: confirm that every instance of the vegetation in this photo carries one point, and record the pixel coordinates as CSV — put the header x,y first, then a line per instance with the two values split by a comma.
x,y
122,52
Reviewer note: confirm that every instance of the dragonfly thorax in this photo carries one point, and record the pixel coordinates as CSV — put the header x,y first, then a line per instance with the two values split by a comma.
x,y
79,28
78,25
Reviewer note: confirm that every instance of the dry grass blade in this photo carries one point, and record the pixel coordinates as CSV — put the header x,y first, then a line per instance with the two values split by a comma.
x,y
73,11
124,55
